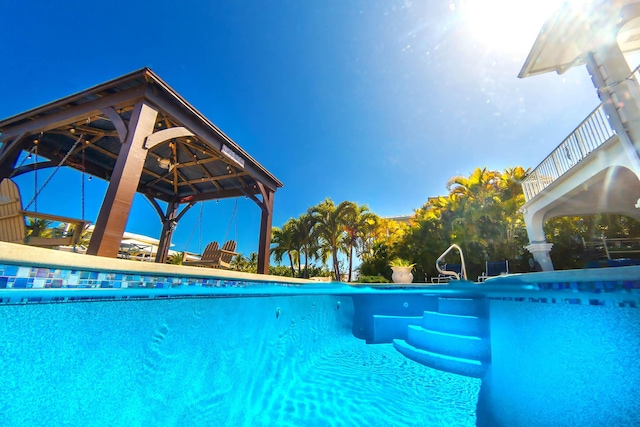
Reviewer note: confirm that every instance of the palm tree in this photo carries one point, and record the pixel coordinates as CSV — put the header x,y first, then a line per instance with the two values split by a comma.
x,y
329,224
239,262
252,263
284,241
511,200
474,196
176,258
307,240
39,227
359,223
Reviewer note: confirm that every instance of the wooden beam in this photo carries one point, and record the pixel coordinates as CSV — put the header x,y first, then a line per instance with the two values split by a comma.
x,y
199,163
206,131
175,167
75,113
212,179
113,156
29,168
9,147
125,178
9,155
165,135
156,206
117,121
225,194
184,210
185,181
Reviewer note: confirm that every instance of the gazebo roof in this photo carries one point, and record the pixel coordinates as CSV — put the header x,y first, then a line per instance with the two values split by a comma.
x,y
571,32
199,162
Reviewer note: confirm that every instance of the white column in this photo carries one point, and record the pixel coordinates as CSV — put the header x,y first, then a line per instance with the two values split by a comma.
x,y
540,252
538,246
620,95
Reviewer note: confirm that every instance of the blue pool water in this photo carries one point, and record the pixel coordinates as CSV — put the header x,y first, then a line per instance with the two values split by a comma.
x,y
241,361
94,348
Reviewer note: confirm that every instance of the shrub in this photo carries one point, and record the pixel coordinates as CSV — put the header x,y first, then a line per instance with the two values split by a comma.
x,y
372,279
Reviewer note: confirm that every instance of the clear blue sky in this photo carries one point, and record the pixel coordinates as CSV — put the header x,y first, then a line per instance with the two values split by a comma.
x,y
377,102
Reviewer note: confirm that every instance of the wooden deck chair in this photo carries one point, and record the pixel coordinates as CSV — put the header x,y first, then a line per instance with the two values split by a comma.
x,y
12,221
227,253
210,256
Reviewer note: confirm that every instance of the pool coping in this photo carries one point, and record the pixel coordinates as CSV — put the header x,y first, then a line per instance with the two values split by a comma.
x,y
16,254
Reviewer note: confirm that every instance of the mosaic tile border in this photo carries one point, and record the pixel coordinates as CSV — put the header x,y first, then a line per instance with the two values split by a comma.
x,y
25,277
20,284
616,293
595,287
620,301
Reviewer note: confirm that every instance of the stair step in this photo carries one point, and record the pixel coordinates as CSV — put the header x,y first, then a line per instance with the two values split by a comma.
x,y
454,365
465,346
387,328
462,306
454,323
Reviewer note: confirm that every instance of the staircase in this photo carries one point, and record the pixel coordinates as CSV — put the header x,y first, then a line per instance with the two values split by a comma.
x,y
453,339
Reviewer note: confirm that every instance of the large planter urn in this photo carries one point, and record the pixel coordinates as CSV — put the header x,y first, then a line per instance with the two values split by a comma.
x,y
402,274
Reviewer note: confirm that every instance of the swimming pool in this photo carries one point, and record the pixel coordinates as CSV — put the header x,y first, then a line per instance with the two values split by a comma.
x,y
216,361
194,350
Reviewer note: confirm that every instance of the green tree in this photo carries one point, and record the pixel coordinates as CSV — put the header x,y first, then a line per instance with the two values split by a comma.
x,y
252,263
239,262
359,224
307,241
475,221
329,224
175,259
245,264
285,243
37,227
385,241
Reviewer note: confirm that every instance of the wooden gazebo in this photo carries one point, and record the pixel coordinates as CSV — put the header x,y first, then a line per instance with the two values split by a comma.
x,y
137,133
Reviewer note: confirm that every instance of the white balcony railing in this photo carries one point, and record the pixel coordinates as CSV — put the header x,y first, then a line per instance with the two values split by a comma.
x,y
589,135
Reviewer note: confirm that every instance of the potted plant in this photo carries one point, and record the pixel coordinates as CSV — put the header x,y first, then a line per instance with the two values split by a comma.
x,y
401,270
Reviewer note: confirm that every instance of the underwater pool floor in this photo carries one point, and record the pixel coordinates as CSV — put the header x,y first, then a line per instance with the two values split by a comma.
x,y
277,361
366,385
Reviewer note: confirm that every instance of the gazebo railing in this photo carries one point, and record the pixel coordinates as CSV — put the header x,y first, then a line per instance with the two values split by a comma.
x,y
589,135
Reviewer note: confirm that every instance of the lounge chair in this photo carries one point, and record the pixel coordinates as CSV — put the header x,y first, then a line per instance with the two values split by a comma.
x,y
493,269
622,262
12,221
446,278
228,251
214,257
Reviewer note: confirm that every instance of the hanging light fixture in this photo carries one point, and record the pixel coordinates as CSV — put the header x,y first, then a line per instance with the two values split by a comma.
x,y
165,163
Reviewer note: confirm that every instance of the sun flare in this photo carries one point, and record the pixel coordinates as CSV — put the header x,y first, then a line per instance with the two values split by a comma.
x,y
507,25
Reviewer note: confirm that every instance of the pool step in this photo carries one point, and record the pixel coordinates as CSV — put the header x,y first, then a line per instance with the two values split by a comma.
x,y
464,346
386,328
455,338
442,362
454,324
462,306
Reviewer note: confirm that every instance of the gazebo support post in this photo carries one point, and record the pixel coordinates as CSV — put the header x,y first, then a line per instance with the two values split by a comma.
x,y
169,223
123,184
266,220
